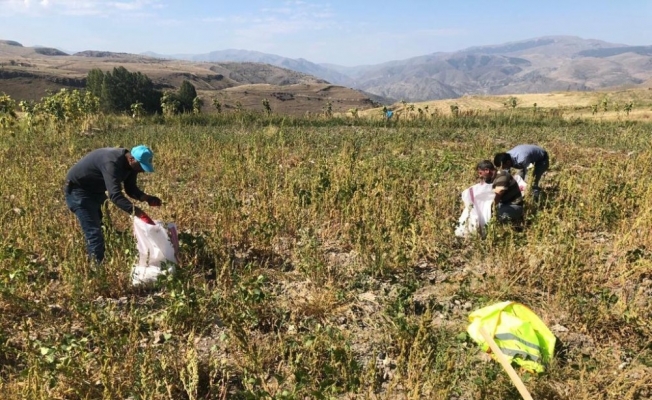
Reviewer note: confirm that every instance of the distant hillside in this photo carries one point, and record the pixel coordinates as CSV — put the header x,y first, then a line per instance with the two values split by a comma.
x,y
533,66
95,53
27,73
297,99
614,51
10,43
536,65
48,51
350,72
558,46
299,65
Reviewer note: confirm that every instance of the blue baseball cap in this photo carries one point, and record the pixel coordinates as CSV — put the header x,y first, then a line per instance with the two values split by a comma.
x,y
143,155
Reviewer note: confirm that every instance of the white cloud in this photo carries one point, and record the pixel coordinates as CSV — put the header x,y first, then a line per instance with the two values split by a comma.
x,y
269,28
11,6
76,7
295,18
444,32
292,17
136,5
214,19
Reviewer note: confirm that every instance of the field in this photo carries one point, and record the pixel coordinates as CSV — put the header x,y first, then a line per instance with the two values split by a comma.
x,y
318,261
594,105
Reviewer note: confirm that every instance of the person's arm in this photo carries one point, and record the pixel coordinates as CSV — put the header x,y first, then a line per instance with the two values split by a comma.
x,y
114,187
132,189
499,188
499,191
134,192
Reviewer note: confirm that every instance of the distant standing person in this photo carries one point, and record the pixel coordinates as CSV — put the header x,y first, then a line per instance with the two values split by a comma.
x,y
107,170
508,199
520,157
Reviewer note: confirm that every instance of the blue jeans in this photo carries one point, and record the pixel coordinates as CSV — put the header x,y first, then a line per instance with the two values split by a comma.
x,y
87,207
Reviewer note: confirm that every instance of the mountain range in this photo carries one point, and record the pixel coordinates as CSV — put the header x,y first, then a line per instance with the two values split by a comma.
x,y
538,65
30,73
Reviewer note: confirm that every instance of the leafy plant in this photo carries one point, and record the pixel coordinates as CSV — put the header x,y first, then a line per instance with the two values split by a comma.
x,y
267,106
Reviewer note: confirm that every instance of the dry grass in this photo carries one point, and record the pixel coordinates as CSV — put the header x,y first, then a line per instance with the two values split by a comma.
x,y
569,104
318,261
294,100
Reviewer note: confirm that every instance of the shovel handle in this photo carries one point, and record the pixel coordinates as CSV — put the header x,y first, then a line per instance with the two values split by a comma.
x,y
506,365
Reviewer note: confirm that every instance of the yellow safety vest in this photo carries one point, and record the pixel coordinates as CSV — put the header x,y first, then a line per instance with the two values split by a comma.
x,y
518,331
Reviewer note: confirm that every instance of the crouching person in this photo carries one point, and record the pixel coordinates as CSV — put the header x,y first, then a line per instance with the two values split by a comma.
x,y
508,200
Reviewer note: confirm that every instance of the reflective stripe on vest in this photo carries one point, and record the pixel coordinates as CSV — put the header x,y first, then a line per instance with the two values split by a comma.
x,y
514,352
511,336
520,348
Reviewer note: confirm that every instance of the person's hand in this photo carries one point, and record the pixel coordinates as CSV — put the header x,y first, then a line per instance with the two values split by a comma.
x,y
146,219
153,201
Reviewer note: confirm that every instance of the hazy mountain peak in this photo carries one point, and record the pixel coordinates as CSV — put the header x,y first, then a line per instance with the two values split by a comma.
x,y
556,45
11,43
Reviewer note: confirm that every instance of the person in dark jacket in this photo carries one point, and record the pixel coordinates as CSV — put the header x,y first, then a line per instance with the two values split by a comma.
x,y
107,170
508,200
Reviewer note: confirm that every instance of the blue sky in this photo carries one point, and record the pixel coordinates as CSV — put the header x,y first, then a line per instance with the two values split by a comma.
x,y
336,31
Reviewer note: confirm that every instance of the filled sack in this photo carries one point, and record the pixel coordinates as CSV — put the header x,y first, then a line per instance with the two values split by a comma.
x,y
158,248
478,205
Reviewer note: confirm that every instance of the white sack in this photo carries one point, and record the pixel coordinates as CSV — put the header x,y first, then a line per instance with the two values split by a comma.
x,y
478,201
478,204
521,183
158,247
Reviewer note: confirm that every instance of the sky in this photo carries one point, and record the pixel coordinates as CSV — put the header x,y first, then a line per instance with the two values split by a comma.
x,y
349,33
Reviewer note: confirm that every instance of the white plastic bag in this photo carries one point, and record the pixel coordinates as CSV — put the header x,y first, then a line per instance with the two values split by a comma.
x,y
478,203
521,183
158,248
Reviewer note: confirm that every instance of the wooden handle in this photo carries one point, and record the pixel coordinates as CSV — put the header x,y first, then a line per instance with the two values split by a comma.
x,y
506,365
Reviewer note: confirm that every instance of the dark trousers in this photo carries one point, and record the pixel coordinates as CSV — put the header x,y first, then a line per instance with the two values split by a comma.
x,y
87,207
509,213
540,167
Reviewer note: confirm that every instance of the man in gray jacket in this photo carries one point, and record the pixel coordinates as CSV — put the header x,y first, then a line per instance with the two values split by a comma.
x,y
520,157
107,170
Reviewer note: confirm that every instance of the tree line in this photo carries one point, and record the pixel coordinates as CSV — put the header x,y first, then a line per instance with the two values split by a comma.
x,y
121,91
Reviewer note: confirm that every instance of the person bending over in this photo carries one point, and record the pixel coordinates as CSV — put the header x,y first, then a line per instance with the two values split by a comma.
x,y
107,170
520,157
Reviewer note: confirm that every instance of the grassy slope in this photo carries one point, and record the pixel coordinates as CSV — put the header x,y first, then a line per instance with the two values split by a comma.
x,y
572,104
321,261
